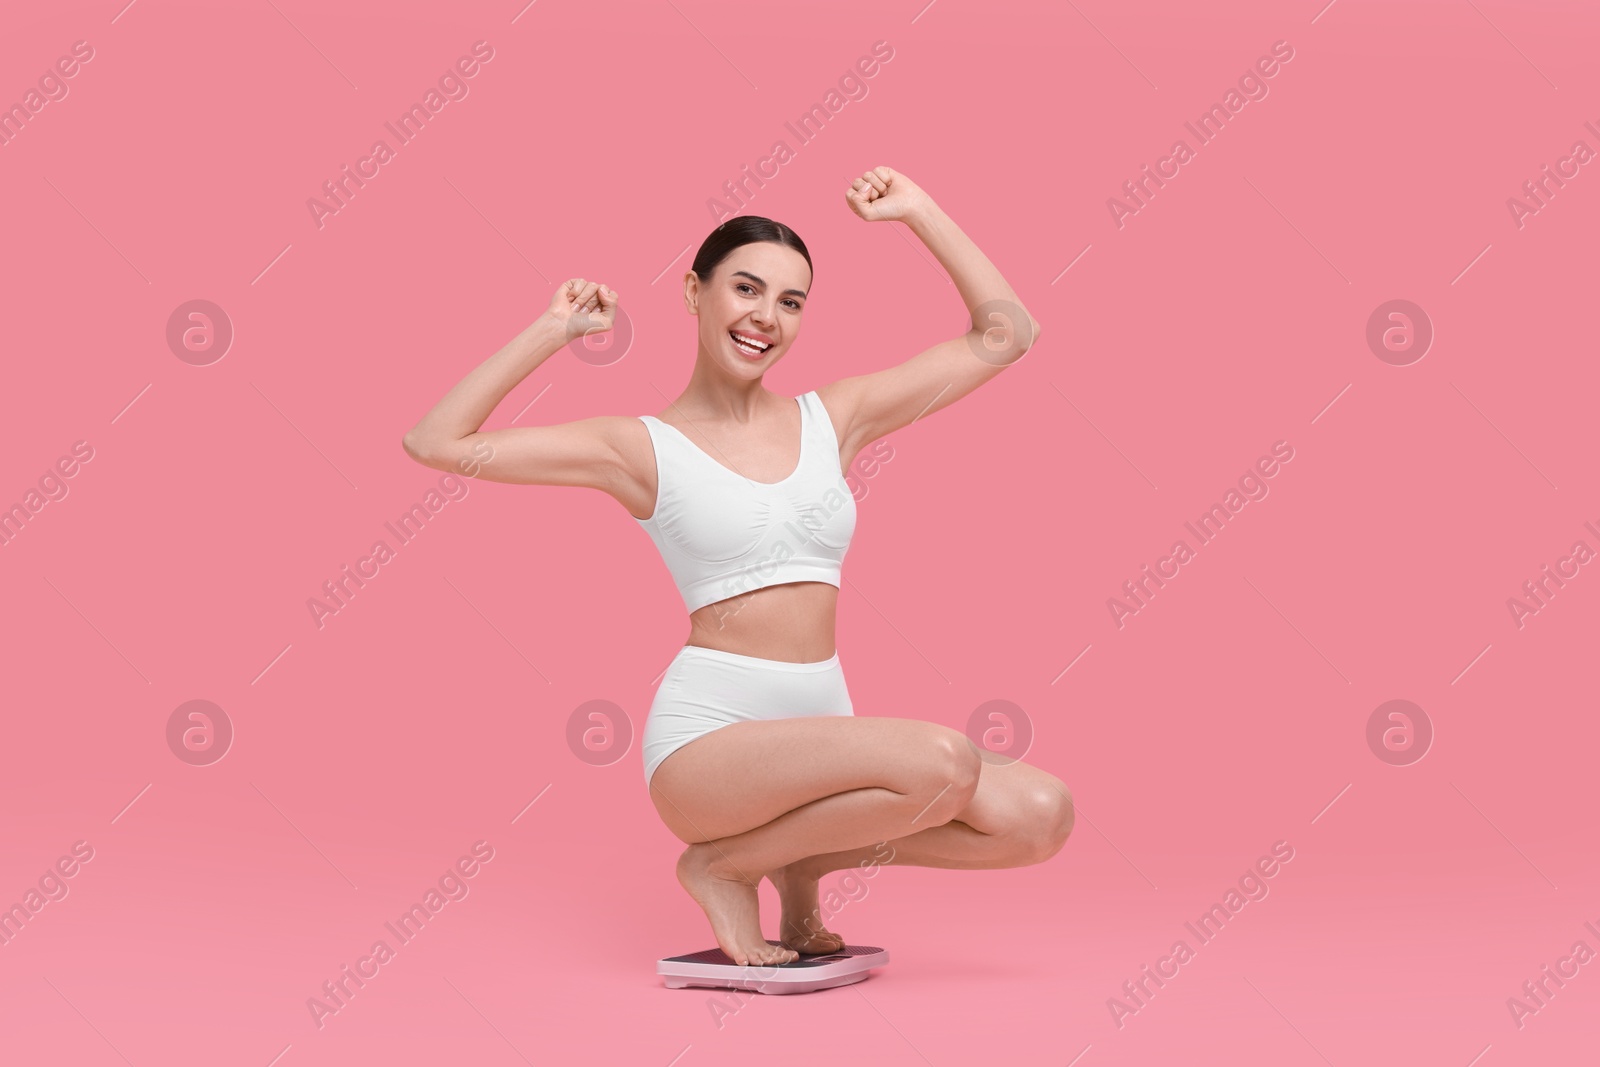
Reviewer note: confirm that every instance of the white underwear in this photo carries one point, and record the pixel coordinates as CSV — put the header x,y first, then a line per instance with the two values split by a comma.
x,y
705,688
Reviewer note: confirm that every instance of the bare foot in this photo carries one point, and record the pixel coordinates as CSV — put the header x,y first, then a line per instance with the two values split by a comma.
x,y
801,926
731,904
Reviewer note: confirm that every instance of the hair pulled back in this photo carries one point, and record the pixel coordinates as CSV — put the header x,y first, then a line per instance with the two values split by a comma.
x,y
743,230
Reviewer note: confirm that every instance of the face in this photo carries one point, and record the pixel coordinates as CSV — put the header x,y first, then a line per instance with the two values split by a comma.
x,y
758,291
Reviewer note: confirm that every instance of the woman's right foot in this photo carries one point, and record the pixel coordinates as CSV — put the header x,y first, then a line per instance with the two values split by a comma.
x,y
731,904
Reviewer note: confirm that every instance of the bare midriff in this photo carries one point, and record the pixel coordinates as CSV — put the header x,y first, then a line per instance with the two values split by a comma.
x,y
793,622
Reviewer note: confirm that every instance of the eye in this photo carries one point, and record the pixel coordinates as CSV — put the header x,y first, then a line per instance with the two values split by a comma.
x,y
791,301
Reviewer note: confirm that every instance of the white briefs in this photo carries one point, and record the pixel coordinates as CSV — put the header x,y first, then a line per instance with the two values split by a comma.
x,y
705,688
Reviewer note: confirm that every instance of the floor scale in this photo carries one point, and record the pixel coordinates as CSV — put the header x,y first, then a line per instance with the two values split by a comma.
x,y
712,969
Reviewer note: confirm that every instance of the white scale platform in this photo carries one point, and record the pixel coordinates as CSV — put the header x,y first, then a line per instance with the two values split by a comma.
x,y
713,970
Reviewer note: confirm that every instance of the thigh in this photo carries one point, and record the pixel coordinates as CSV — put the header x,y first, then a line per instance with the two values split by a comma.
x,y
746,774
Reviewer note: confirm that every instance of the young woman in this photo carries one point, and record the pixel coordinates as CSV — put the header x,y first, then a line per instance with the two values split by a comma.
x,y
752,753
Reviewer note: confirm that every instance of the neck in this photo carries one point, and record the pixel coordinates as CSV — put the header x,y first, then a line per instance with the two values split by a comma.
x,y
715,396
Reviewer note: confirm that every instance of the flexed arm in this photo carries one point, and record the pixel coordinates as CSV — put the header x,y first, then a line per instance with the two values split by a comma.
x,y
878,403
585,452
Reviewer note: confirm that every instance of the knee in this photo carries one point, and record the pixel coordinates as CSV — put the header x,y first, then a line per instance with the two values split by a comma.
x,y
1052,815
953,772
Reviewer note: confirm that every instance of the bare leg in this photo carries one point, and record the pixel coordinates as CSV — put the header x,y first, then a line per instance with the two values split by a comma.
x,y
1028,811
780,790
722,875
754,797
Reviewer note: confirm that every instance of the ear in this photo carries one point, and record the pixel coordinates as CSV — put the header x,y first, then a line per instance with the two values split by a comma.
x,y
691,293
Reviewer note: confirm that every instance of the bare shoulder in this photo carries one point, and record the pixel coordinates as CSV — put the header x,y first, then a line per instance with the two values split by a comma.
x,y
841,399
635,488
622,458
873,405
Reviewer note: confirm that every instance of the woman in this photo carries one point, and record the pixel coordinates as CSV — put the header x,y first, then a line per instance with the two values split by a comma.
x,y
753,755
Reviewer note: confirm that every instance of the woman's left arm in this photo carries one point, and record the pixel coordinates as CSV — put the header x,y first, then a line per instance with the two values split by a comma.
x,y
875,404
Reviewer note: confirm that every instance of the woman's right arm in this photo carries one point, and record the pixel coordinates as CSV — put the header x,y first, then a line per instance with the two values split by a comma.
x,y
587,452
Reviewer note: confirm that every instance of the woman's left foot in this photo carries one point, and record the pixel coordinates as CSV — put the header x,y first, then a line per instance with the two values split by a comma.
x,y
801,927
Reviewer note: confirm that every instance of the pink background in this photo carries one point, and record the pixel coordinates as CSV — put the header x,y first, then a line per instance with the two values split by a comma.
x,y
1229,714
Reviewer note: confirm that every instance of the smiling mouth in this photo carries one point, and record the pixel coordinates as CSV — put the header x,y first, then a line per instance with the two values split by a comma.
x,y
750,349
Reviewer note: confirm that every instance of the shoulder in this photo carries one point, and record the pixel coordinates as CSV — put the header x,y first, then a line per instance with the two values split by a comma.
x,y
629,436
633,442
841,401
838,399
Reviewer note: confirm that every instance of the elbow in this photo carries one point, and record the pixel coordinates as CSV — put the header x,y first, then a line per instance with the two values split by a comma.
x,y
417,448
1024,335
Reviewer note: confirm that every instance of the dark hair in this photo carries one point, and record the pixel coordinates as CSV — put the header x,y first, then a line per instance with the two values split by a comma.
x,y
743,230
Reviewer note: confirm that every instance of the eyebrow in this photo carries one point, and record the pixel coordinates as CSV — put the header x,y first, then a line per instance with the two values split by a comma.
x,y
763,282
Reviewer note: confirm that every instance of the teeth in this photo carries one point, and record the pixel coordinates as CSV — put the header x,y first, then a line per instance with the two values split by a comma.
x,y
750,345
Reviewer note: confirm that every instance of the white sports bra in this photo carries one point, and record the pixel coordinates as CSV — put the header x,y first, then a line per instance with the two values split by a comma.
x,y
722,534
